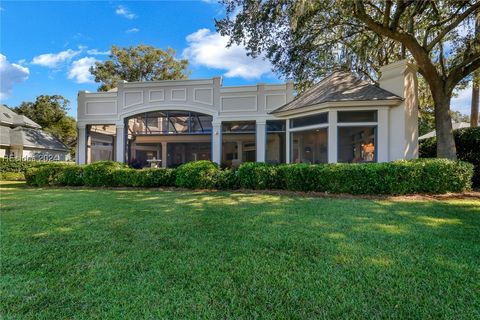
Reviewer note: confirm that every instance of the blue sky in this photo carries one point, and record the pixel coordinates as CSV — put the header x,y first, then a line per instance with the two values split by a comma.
x,y
47,47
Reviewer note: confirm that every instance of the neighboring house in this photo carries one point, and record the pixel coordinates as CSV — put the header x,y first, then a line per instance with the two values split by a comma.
x,y
22,138
455,126
167,123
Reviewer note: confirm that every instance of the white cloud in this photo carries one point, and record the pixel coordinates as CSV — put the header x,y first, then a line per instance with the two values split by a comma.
x,y
462,102
207,48
133,30
79,70
53,60
95,52
10,74
125,12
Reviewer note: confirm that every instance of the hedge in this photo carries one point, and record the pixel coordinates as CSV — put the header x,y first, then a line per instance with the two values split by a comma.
x,y
467,141
399,177
15,169
197,175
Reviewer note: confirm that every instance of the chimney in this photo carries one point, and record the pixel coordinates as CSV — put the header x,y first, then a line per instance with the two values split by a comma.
x,y
400,78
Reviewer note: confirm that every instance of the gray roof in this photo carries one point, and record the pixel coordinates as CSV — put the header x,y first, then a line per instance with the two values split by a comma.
x,y
35,138
5,135
337,87
455,126
10,118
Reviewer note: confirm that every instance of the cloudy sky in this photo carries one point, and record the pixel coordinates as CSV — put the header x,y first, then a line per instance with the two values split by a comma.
x,y
47,47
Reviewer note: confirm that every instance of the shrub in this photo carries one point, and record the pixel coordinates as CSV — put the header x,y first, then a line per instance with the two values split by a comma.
x,y
15,165
467,141
157,177
259,175
197,175
71,176
100,174
12,176
400,177
227,180
44,174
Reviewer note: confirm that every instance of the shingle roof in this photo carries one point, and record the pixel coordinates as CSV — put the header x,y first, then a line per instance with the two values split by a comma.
x,y
8,117
35,138
337,87
5,136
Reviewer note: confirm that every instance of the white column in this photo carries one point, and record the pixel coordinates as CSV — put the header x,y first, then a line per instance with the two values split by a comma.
x,y
216,142
120,144
287,142
332,137
240,151
261,140
381,149
164,154
82,145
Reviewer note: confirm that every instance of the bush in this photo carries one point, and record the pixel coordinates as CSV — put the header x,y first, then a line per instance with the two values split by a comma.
x,y
197,175
467,141
100,174
71,176
160,177
227,179
15,165
12,176
45,174
399,177
259,175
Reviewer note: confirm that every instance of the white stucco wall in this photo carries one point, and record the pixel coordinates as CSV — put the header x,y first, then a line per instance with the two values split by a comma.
x,y
397,131
400,78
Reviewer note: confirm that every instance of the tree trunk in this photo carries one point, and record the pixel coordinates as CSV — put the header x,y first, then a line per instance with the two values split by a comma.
x,y
475,98
443,125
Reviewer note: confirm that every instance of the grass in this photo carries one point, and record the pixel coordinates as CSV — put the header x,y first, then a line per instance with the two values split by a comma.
x,y
116,254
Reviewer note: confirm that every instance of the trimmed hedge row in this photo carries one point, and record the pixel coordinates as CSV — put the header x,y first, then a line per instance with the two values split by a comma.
x,y
399,177
467,141
14,169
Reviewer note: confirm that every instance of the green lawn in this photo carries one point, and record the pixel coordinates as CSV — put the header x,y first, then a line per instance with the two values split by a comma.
x,y
116,254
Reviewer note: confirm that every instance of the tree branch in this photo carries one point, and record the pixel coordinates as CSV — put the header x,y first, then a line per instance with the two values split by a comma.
x,y
452,25
401,6
462,71
386,15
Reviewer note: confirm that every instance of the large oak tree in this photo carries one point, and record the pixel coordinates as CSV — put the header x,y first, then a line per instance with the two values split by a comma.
x,y
306,39
140,63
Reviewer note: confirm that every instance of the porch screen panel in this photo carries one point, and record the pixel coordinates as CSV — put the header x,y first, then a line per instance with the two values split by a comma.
x,y
238,143
276,141
357,144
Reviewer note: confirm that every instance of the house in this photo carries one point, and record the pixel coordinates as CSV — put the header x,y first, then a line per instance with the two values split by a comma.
x,y
22,138
167,123
455,126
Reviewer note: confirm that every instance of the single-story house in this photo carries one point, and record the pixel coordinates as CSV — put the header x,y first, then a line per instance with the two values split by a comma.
x,y
455,126
167,123
22,138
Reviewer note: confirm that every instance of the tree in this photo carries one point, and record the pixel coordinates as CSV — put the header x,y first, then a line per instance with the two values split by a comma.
x,y
298,38
475,99
50,112
141,63
475,85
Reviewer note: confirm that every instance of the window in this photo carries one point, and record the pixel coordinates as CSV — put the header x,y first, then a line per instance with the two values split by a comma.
x,y
238,142
357,116
309,120
168,138
357,144
275,146
310,146
170,122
